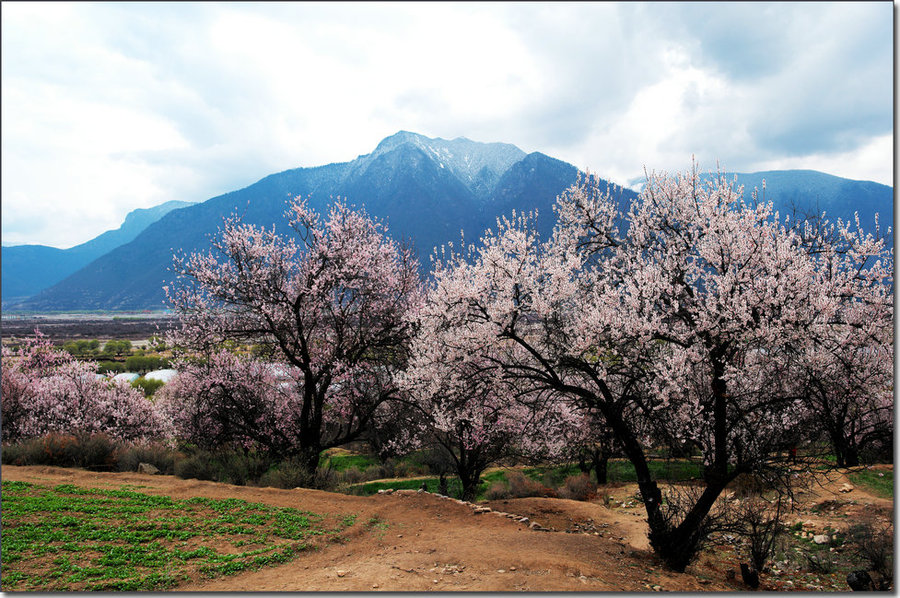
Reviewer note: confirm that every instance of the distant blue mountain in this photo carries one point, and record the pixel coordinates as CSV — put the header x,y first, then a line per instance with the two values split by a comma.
x,y
426,190
809,193
28,269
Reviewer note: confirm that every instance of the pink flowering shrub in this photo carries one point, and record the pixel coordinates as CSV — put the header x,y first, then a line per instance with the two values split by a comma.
x,y
47,391
232,402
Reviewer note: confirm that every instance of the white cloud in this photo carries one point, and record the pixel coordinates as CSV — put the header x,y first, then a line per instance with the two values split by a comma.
x,y
111,107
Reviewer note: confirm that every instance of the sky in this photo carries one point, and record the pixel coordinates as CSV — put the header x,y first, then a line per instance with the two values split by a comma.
x,y
109,107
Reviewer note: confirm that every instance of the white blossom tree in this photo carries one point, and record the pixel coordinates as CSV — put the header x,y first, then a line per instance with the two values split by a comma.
x,y
329,301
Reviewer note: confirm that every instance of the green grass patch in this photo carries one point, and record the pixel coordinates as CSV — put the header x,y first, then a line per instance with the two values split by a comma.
x,y
880,483
345,461
67,538
550,476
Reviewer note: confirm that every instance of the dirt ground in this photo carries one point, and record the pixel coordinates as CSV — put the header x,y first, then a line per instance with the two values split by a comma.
x,y
425,543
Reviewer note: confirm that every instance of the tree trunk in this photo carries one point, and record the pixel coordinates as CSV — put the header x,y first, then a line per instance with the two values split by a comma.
x,y
600,461
309,460
583,467
678,545
470,480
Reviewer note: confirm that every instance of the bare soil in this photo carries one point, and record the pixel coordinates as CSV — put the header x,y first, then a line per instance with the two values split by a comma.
x,y
413,541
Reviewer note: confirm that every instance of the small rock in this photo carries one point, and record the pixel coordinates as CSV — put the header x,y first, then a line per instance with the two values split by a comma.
x,y
434,581
846,488
340,573
524,520
374,586
148,468
512,568
821,539
501,570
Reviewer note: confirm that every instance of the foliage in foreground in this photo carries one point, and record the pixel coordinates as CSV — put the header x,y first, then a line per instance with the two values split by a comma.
x,y
70,538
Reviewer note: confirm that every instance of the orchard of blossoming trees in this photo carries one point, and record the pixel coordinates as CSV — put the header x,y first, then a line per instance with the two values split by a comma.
x,y
696,319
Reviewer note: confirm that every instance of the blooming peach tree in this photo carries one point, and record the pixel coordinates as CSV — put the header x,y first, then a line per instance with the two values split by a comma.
x,y
848,373
329,302
682,318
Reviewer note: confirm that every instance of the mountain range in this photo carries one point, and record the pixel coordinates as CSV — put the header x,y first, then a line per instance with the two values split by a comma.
x,y
25,270
426,190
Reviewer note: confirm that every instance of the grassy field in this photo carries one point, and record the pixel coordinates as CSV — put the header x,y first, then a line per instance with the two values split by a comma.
x,y
70,538
880,483
550,476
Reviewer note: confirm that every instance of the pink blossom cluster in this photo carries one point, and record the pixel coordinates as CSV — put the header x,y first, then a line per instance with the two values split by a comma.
x,y
698,317
230,401
46,391
329,301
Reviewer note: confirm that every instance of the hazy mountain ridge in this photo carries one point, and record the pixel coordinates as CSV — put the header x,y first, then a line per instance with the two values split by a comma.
x,y
28,269
426,191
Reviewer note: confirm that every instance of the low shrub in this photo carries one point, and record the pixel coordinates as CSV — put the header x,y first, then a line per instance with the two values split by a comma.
x,y
521,486
820,562
578,487
350,476
95,451
875,546
748,485
759,522
497,491
196,467
159,455
292,473
229,467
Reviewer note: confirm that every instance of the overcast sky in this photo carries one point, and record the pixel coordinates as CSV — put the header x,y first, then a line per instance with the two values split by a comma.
x,y
109,107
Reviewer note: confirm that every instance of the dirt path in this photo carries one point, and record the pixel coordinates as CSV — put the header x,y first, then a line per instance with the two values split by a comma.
x,y
409,541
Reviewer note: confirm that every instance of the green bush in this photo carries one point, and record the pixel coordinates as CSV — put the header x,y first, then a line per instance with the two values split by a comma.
x,y
82,347
148,386
144,364
110,367
115,347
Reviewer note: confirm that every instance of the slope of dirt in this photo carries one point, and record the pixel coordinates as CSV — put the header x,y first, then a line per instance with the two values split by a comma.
x,y
411,541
